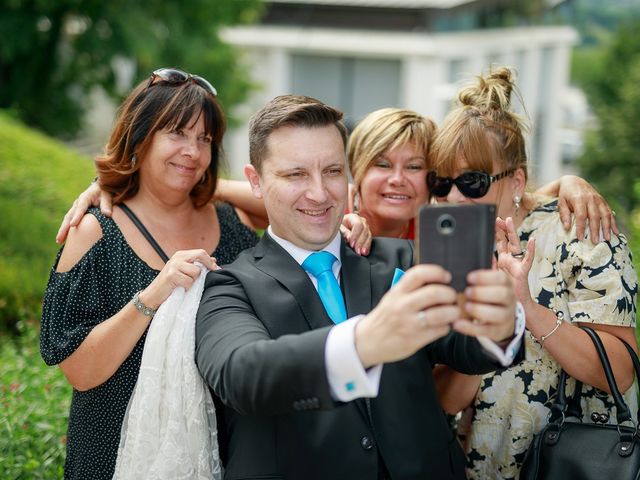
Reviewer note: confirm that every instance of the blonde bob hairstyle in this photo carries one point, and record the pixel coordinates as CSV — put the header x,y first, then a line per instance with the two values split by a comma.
x,y
482,128
384,130
148,109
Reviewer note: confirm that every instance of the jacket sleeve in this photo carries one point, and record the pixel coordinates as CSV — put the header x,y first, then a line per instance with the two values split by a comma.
x,y
465,354
247,369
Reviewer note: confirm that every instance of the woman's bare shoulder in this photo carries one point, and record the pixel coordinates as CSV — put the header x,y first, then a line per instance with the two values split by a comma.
x,y
79,242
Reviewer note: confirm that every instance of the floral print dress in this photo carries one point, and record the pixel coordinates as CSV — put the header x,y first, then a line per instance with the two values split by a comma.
x,y
588,283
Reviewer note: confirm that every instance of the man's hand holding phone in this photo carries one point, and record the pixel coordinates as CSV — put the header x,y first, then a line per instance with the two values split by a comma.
x,y
490,305
422,307
460,238
419,309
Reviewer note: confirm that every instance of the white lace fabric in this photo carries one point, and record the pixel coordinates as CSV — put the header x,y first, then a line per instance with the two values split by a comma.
x,y
169,430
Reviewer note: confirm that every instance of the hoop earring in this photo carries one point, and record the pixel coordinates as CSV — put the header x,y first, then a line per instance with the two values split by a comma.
x,y
134,160
203,180
516,202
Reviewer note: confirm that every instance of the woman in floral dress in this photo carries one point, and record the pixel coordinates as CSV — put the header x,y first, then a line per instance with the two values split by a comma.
x,y
561,281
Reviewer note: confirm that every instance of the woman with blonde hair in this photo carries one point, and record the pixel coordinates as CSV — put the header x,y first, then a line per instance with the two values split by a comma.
x,y
563,282
387,155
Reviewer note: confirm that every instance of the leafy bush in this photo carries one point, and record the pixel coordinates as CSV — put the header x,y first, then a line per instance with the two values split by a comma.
x,y
34,406
39,178
634,230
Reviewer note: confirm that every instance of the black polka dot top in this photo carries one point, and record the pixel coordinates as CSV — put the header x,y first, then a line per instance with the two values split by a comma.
x,y
95,289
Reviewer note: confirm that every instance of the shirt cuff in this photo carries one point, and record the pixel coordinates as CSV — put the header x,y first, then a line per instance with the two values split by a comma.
x,y
506,356
347,377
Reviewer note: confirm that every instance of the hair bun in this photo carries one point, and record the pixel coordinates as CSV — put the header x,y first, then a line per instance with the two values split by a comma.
x,y
491,92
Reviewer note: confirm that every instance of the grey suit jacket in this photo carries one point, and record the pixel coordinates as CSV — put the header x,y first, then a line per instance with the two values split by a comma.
x,y
260,336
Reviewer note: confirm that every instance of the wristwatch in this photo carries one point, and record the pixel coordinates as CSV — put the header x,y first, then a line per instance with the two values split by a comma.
x,y
142,308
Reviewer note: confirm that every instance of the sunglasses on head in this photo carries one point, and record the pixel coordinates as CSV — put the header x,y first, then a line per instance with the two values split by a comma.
x,y
470,184
177,77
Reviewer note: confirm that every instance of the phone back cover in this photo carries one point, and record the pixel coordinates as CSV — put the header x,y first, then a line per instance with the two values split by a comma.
x,y
458,237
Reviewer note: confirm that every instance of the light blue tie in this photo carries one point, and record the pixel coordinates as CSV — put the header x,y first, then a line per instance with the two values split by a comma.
x,y
319,265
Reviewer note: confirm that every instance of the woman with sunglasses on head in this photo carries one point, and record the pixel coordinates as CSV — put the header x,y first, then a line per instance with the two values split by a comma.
x,y
479,157
161,165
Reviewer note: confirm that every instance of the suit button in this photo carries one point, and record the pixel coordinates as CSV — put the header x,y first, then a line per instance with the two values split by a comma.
x,y
366,443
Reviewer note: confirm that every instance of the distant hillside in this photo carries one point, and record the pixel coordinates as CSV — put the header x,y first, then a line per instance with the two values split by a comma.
x,y
39,178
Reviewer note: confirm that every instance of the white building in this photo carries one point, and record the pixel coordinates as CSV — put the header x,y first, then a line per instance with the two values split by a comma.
x,y
360,55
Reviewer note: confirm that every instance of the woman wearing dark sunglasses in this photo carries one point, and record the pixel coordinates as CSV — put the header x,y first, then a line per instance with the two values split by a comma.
x,y
479,157
388,154
161,165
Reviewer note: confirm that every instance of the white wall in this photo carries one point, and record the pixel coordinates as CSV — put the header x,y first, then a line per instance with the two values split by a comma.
x,y
431,66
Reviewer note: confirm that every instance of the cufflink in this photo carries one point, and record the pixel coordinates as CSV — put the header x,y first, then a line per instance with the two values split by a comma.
x,y
350,386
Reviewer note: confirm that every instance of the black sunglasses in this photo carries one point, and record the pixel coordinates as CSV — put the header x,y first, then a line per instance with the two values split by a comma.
x,y
470,184
176,77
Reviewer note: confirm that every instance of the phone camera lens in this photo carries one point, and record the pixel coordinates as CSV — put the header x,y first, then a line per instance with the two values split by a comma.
x,y
446,224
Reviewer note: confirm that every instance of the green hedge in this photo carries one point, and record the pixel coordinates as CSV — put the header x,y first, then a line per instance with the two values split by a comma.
x,y
39,178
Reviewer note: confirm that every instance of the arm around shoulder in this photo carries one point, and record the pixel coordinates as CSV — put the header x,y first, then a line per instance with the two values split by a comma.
x,y
250,209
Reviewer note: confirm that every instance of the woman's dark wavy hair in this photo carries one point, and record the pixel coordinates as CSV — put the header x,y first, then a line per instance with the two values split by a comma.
x,y
146,110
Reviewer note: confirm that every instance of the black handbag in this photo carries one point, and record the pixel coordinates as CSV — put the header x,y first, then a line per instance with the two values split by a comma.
x,y
568,449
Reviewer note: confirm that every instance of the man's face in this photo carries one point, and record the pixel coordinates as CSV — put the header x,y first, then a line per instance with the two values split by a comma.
x,y
303,183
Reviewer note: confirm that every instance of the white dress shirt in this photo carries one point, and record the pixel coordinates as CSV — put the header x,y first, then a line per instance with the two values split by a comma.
x,y
347,377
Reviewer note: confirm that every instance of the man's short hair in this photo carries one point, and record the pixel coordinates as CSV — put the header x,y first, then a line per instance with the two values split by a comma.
x,y
289,110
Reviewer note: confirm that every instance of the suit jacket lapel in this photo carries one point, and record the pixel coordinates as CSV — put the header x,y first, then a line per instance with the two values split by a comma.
x,y
356,282
273,260
355,273
356,286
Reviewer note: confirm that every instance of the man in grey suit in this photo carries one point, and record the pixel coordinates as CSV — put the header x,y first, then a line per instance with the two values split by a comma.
x,y
301,393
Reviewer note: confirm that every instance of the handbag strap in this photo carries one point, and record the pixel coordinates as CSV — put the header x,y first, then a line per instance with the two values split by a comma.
x,y
564,406
140,226
623,413
636,366
574,407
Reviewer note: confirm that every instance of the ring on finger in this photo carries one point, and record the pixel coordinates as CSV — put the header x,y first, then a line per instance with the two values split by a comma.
x,y
519,254
422,318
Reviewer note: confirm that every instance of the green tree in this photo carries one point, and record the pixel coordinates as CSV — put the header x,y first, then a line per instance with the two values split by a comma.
x,y
53,52
612,155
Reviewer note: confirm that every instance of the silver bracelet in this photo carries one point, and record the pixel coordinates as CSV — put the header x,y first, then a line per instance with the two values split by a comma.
x,y
142,308
559,321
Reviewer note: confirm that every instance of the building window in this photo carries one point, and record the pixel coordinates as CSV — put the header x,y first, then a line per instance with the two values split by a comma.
x,y
355,85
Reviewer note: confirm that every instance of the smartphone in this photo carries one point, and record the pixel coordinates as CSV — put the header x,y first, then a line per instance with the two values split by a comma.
x,y
458,237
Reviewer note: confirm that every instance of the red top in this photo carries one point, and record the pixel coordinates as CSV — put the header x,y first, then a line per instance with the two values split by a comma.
x,y
411,231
